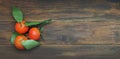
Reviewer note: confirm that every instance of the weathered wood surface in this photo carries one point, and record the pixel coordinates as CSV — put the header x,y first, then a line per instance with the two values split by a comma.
x,y
67,33
63,52
82,29
75,10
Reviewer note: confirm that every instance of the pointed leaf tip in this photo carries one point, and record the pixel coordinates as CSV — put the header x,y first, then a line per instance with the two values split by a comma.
x,y
47,21
17,14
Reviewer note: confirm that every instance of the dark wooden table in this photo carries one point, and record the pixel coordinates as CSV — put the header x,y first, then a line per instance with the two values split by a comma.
x,y
82,29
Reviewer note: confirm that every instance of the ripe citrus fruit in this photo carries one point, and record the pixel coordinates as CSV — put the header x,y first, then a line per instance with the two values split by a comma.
x,y
34,33
21,28
18,41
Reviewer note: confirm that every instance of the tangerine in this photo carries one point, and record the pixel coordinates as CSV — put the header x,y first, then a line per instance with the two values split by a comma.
x,y
21,28
34,33
18,41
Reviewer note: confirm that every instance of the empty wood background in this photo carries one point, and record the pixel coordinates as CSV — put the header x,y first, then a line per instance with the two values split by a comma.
x,y
82,29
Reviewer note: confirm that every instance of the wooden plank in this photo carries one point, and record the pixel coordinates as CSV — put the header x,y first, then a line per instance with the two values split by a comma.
x,y
63,52
77,10
66,33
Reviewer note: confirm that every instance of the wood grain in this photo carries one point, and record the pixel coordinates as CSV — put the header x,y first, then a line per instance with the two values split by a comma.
x,y
75,10
63,52
82,29
67,33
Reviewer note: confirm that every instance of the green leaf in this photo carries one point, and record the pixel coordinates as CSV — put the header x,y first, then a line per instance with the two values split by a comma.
x,y
17,14
30,44
42,38
41,29
38,23
31,23
46,22
13,37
